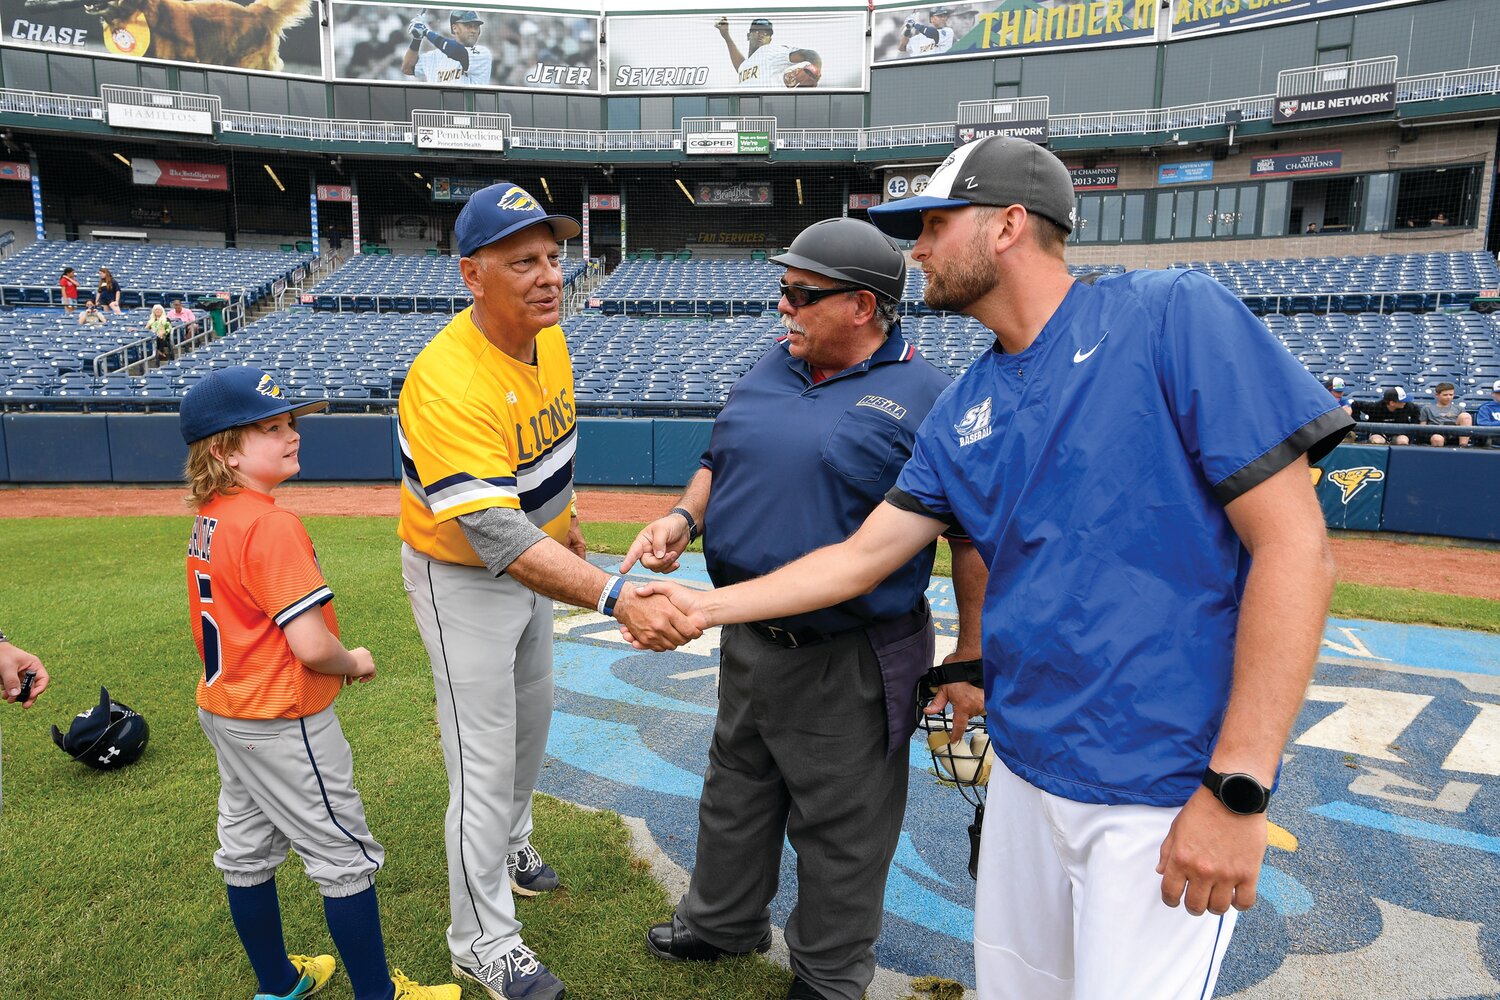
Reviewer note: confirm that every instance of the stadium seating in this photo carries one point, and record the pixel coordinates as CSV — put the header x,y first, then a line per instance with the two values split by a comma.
x,y
391,283
1384,283
43,352
148,274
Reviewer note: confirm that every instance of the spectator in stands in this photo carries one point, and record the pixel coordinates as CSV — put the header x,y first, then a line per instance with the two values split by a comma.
x,y
1441,219
1447,411
91,316
1489,416
69,286
161,329
1335,387
108,295
183,316
1391,408
1312,227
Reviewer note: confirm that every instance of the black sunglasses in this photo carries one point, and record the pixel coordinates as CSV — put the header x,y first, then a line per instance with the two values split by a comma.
x,y
799,296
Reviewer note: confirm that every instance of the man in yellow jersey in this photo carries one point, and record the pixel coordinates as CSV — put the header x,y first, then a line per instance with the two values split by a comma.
x,y
489,532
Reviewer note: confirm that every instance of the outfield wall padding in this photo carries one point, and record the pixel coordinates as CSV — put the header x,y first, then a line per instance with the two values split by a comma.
x,y
347,447
1443,491
1350,483
145,447
58,447
4,461
677,447
614,452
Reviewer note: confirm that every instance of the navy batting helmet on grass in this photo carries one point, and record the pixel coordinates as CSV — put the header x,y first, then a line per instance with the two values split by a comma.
x,y
106,737
850,251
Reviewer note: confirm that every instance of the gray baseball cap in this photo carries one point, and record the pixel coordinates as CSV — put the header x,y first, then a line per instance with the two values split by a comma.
x,y
995,170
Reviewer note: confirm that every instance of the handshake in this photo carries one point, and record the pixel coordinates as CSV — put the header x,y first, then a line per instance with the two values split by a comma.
x,y
659,616
417,29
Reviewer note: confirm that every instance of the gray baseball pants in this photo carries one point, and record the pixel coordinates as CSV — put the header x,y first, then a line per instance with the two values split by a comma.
x,y
490,642
290,783
799,753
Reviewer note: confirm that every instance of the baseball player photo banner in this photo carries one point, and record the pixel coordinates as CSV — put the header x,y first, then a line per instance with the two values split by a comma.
x,y
744,52
475,46
998,28
270,36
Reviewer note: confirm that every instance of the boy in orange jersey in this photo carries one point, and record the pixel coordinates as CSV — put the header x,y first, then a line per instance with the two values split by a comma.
x,y
273,663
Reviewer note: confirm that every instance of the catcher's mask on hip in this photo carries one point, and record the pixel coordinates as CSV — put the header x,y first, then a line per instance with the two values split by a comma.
x,y
964,762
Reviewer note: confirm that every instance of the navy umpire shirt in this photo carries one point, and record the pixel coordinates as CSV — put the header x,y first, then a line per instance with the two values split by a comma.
x,y
797,466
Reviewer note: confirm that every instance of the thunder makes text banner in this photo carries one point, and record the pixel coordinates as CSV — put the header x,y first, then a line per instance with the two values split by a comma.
x,y
933,31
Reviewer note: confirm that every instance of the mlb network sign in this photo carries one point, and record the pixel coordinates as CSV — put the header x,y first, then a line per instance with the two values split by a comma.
x,y
1035,131
1334,104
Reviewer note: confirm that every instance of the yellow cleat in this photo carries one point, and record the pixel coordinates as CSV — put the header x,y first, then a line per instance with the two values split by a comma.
x,y
408,990
315,971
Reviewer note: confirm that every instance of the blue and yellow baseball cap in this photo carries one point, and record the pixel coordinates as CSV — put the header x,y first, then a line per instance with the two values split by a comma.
x,y
234,397
501,210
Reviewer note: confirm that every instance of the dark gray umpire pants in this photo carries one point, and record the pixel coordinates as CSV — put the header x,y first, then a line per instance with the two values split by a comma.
x,y
799,750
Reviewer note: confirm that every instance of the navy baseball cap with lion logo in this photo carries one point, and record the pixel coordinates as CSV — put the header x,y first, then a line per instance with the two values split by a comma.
x,y
499,211
996,170
234,397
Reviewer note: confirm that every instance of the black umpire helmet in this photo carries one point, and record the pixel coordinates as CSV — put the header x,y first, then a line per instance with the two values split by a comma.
x,y
851,251
106,737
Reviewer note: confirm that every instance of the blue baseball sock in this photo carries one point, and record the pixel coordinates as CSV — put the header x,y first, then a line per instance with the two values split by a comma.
x,y
257,917
354,922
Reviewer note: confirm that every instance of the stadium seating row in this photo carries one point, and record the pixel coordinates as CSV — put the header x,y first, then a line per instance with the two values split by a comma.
x,y
630,360
148,274
405,284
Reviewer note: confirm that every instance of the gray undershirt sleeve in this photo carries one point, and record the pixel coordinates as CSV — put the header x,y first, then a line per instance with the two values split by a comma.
x,y
499,535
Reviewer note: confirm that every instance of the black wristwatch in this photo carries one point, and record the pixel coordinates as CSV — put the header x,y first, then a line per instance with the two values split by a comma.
x,y
1241,793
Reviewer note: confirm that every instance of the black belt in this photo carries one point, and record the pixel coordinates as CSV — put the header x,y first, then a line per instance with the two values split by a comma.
x,y
796,638
790,638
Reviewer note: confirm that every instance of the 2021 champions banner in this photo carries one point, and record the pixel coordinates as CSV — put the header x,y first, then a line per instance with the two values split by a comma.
x,y
473,46
741,51
269,36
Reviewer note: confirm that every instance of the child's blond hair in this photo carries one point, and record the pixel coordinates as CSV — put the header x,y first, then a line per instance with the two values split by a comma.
x,y
206,472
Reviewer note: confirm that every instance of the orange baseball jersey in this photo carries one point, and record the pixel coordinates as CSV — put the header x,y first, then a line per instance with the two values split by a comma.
x,y
251,569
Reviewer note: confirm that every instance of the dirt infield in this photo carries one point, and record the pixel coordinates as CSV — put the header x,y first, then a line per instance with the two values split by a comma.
x,y
1445,569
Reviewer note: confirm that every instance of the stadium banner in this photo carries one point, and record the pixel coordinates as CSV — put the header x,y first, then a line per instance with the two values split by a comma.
x,y
1334,104
174,173
1006,27
335,192
1191,18
720,143
861,202
604,202
1095,178
904,182
1036,131
10,171
490,140
1191,172
453,189
736,194
476,46
704,52
1320,162
159,119
271,36
1350,483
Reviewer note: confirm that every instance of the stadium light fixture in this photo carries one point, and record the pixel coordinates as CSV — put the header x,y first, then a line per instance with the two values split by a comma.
x,y
799,190
279,185
417,175
685,192
122,159
545,189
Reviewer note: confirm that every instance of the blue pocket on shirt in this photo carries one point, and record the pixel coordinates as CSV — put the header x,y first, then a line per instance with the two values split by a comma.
x,y
860,445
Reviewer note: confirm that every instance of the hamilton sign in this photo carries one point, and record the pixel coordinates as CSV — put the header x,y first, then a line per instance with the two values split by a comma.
x,y
1334,104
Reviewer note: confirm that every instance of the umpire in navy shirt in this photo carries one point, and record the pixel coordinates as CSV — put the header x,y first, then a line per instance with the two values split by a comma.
x,y
816,710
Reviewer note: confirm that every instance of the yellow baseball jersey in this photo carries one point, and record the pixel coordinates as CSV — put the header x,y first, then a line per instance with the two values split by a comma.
x,y
480,429
251,569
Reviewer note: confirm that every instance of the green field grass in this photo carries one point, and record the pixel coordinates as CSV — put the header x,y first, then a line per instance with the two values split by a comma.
x,y
107,887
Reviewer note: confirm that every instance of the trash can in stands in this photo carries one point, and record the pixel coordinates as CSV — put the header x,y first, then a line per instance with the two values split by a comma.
x,y
215,310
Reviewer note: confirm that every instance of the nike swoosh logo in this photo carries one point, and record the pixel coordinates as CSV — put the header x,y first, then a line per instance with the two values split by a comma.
x,y
1080,356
